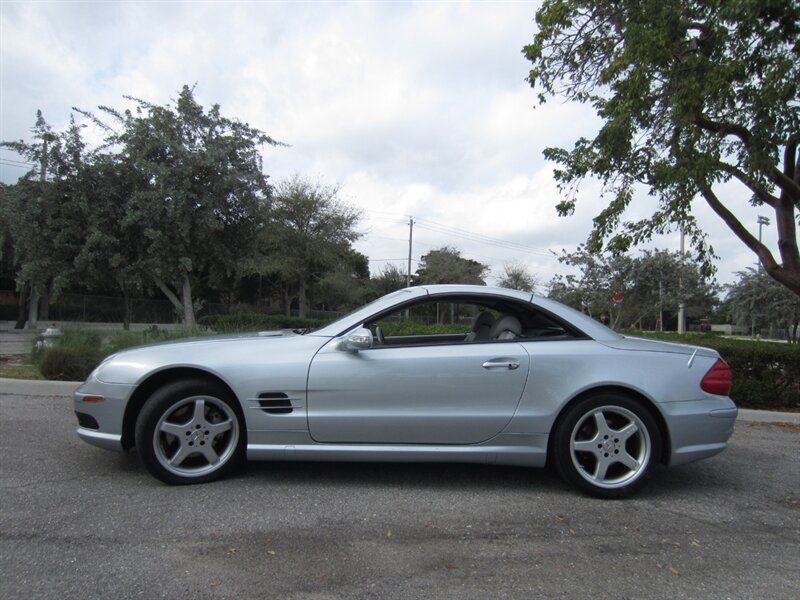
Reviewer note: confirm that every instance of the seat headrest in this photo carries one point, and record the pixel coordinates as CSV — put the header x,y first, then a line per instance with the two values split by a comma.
x,y
505,325
482,319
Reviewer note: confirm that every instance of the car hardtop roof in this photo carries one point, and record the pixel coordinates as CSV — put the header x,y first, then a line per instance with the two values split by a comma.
x,y
448,288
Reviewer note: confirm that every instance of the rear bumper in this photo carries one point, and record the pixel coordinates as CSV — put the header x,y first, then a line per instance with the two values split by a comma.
x,y
699,428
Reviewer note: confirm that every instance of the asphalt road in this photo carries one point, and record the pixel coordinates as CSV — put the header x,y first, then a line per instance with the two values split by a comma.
x,y
79,522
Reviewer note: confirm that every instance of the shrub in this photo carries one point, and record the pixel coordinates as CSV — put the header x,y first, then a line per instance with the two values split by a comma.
x,y
766,375
68,364
121,340
412,327
239,322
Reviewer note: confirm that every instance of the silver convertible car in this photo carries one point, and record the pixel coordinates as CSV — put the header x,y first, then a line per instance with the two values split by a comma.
x,y
448,373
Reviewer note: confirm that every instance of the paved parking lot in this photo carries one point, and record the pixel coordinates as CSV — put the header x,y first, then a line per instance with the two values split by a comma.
x,y
78,522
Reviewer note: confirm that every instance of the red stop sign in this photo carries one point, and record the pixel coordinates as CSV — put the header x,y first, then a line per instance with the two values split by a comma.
x,y
617,297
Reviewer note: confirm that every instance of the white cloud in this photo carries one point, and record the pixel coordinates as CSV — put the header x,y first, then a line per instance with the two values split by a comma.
x,y
418,109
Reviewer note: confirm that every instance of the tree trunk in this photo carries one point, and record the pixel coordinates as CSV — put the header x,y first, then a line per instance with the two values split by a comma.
x,y
287,302
44,305
301,300
33,308
126,307
170,295
188,306
22,316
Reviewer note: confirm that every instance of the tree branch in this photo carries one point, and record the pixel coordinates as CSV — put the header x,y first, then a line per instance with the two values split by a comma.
x,y
724,128
758,190
790,279
746,137
168,292
736,226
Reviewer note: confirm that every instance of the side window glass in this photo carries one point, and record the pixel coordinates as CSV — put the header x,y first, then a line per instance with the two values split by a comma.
x,y
428,323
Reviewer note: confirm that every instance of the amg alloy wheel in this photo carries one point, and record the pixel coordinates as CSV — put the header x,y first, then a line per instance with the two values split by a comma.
x,y
606,445
189,432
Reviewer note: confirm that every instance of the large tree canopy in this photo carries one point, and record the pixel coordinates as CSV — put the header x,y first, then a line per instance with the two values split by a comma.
x,y
446,265
195,185
692,93
648,283
309,237
757,301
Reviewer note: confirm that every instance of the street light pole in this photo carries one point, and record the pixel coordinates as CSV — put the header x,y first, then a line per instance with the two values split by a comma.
x,y
410,239
762,220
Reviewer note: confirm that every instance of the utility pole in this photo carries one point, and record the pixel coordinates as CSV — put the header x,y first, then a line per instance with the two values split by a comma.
x,y
410,240
660,304
682,304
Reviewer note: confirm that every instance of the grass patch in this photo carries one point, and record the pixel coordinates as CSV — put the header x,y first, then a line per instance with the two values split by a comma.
x,y
18,367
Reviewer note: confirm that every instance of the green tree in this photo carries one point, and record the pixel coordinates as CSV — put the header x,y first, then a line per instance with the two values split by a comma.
x,y
691,94
757,301
649,283
43,214
197,186
446,265
309,236
112,252
389,279
517,277
344,287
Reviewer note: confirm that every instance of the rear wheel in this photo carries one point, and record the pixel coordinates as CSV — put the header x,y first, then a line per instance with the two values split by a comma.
x,y
190,431
606,445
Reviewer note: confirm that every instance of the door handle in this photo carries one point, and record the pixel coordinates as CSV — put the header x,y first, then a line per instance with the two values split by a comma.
x,y
501,364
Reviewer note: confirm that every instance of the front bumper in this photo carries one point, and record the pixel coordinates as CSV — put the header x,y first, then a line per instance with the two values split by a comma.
x,y
107,441
699,428
107,414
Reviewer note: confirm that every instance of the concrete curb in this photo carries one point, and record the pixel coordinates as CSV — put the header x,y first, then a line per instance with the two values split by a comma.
x,y
32,387
767,416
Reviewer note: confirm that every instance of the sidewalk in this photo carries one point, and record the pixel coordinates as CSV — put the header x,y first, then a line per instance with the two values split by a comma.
x,y
32,387
29,387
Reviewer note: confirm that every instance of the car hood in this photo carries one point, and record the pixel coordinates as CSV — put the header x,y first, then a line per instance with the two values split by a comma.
x,y
214,353
646,345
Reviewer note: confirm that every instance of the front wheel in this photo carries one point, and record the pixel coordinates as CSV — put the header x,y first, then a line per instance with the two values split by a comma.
x,y
606,445
189,432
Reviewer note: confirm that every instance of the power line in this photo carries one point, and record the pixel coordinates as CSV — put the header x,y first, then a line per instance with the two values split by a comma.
x,y
10,164
462,233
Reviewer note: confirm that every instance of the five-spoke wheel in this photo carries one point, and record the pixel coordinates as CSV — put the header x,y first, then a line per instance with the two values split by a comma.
x,y
189,431
606,445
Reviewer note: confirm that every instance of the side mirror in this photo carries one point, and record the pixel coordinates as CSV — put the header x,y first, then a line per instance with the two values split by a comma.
x,y
359,339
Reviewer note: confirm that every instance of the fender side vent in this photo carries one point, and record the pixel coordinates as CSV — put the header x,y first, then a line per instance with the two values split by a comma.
x,y
275,403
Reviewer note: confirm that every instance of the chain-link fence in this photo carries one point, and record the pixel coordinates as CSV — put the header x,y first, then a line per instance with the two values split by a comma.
x,y
89,308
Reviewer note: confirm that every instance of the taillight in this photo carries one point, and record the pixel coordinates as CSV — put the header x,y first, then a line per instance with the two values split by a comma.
x,y
718,380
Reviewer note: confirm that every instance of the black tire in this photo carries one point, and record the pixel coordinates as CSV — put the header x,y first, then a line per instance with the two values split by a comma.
x,y
179,396
621,480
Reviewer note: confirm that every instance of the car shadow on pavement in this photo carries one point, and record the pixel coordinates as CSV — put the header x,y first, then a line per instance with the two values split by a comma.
x,y
428,475
693,479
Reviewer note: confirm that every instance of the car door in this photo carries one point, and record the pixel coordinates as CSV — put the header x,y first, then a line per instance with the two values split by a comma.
x,y
460,393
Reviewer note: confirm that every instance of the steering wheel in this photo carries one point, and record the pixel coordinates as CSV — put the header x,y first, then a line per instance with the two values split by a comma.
x,y
379,335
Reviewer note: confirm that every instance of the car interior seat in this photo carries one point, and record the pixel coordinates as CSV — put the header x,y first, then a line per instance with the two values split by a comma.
x,y
506,328
481,327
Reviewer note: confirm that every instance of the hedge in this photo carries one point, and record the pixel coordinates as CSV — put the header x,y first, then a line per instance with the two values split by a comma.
x,y
77,351
75,354
237,322
766,375
411,327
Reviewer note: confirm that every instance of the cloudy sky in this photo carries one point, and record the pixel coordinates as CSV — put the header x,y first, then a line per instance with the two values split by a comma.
x,y
414,109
